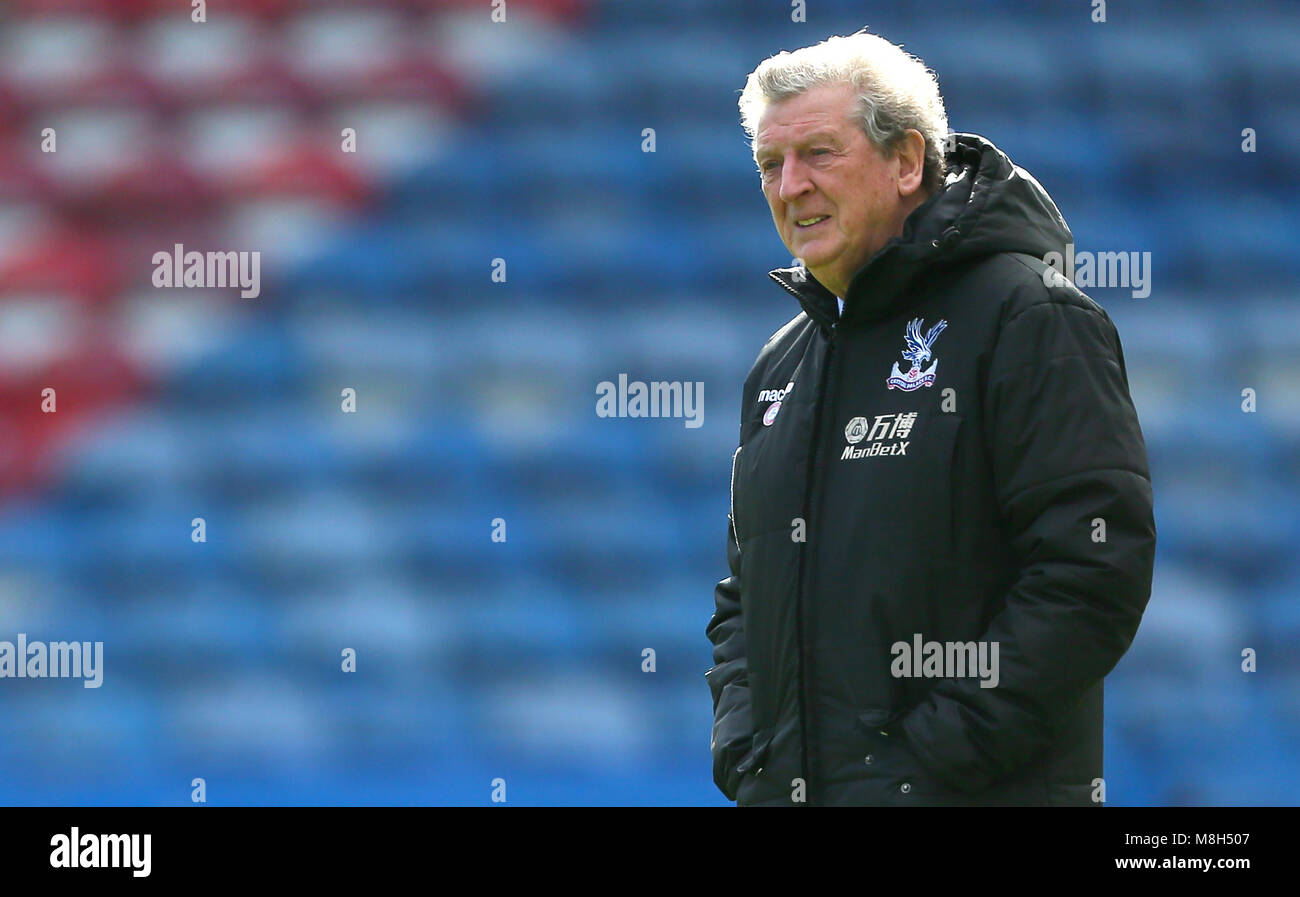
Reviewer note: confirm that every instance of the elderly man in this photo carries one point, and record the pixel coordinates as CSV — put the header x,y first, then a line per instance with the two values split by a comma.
x,y
941,532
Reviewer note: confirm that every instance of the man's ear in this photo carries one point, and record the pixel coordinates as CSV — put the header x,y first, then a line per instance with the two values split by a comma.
x,y
910,153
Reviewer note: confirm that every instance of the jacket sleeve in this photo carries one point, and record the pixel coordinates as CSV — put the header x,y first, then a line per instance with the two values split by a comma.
x,y
1068,458
728,678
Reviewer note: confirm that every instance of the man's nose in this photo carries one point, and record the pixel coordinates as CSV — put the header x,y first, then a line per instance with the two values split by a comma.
x,y
794,179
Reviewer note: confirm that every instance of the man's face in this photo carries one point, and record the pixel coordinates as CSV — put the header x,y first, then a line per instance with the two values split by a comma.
x,y
815,163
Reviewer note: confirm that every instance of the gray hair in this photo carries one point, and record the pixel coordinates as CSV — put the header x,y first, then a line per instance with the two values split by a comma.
x,y
895,92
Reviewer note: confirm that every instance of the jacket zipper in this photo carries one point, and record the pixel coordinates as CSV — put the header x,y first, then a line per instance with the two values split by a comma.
x,y
811,483
831,327
735,533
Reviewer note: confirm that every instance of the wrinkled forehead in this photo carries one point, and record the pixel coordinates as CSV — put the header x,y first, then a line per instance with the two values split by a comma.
x,y
821,113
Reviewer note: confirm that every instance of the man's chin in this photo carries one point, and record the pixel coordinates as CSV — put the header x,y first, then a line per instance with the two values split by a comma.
x,y
810,261
815,266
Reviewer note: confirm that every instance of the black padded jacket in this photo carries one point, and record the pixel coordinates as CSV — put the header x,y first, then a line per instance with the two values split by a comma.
x,y
954,464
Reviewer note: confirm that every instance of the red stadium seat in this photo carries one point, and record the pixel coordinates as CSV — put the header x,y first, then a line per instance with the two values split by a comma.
x,y
20,179
556,9
158,184
79,264
90,378
267,79
304,169
409,76
121,10
13,110
119,83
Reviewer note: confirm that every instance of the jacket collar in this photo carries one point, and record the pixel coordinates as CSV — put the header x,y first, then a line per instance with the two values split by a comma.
x,y
880,286
816,300
987,205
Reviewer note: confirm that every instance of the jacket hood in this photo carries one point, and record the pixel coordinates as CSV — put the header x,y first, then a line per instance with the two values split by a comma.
x,y
987,205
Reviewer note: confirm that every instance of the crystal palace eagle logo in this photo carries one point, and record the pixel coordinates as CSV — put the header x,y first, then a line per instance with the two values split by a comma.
x,y
918,352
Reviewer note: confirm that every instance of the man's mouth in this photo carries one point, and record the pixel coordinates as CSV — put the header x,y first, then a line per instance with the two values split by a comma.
x,y
811,222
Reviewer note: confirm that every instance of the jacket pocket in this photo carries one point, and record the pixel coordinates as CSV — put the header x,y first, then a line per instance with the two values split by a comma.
x,y
945,482
732,737
754,783
892,761
757,756
879,719
730,779
909,782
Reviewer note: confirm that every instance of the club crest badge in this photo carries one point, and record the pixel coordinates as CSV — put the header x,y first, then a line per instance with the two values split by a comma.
x,y
918,353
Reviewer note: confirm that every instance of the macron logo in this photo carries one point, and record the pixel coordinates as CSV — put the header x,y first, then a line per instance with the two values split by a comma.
x,y
775,395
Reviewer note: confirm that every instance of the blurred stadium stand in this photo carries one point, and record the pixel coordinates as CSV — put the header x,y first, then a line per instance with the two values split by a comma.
x,y
475,400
